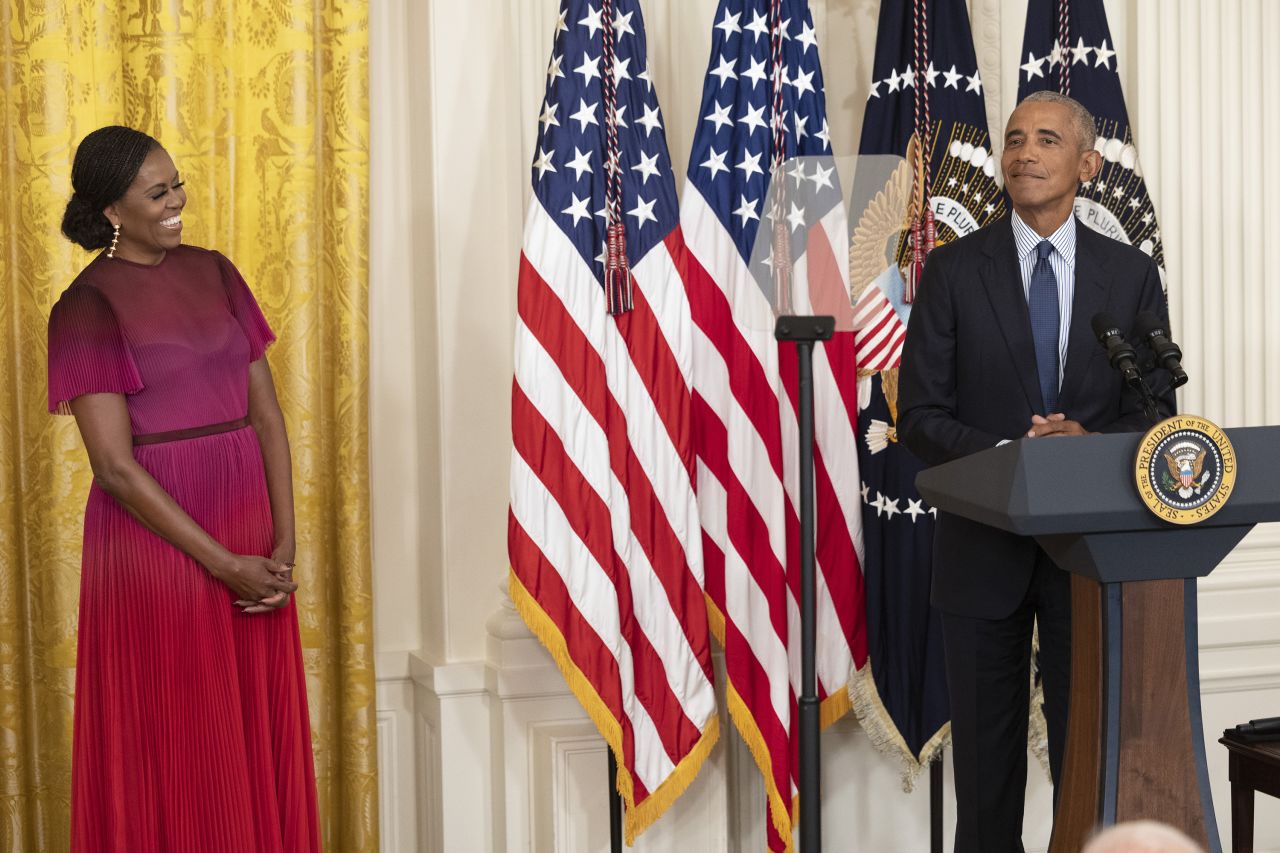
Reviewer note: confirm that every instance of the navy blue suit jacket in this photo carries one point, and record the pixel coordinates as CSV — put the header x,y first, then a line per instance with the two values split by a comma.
x,y
968,381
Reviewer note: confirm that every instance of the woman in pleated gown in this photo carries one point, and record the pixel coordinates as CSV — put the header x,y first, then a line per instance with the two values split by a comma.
x,y
191,728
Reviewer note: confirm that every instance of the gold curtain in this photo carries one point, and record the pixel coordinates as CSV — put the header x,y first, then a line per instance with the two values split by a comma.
x,y
264,106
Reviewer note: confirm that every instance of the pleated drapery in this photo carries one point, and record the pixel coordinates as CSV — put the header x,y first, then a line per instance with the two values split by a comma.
x,y
264,107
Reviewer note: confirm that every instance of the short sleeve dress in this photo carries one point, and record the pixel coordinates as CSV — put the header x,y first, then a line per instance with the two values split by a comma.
x,y
191,726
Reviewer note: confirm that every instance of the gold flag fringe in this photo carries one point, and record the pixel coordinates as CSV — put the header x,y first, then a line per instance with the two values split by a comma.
x,y
884,735
636,819
831,709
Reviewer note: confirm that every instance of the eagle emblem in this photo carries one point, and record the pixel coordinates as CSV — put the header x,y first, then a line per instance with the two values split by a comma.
x,y
1186,469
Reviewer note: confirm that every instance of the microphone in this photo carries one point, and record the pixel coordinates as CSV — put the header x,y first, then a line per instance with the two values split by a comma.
x,y
1167,353
1122,356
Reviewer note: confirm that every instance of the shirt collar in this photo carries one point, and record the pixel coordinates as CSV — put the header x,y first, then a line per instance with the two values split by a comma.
x,y
1064,239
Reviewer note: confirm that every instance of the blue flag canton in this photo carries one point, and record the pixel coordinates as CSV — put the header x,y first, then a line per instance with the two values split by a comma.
x,y
954,83
569,159
732,154
1116,202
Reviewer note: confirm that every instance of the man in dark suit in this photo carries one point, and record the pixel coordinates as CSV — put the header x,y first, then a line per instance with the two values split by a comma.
x,y
999,347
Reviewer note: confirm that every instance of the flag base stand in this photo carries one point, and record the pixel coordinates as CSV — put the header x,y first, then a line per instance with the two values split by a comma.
x,y
803,332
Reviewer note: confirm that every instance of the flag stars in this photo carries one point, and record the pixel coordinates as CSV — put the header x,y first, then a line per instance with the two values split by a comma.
x,y
759,26
975,83
803,82
754,118
1147,217
648,81
588,69
892,80
824,134
648,167
1117,193
866,490
915,508
585,115
756,72
801,121
729,24
592,21
548,118
931,76
1134,204
750,164
989,209
622,24
891,507
1055,55
951,78
908,78
543,162
746,209
561,26
643,211
796,217
822,177
719,116
578,209
1103,56
715,162
1080,53
581,164
650,120
1032,66
553,69
620,66
875,86
724,70
807,37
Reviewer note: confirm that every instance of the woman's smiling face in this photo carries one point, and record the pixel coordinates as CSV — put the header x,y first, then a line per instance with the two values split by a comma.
x,y
149,214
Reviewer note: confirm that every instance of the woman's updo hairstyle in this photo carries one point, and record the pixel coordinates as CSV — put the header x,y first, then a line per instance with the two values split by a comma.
x,y
106,163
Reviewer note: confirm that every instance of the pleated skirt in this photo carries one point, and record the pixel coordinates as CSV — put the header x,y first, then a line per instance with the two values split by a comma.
x,y
191,726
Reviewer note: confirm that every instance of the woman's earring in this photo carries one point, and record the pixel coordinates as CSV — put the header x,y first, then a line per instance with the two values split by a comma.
x,y
115,238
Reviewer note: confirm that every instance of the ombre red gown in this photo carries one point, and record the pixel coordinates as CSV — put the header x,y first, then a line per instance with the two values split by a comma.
x,y
191,727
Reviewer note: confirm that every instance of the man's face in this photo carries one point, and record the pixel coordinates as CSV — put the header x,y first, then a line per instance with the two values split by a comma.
x,y
1043,163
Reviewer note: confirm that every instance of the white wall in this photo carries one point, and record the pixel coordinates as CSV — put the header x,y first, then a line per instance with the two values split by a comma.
x,y
481,747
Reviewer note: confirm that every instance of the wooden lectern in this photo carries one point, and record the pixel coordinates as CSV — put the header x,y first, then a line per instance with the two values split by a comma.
x,y
1135,742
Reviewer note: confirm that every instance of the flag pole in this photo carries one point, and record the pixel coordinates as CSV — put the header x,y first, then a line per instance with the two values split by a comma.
x,y
935,804
615,805
804,331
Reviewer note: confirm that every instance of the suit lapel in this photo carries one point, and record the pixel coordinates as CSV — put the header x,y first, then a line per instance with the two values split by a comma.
x,y
1090,298
1003,281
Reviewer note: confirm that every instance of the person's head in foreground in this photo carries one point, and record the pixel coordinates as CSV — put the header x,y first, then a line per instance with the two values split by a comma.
x,y
1141,836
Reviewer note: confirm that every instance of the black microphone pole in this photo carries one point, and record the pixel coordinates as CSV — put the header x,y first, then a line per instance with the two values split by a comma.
x,y
804,331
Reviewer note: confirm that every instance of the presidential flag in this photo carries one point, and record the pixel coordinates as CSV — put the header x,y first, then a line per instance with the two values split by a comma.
x,y
924,135
1067,48
604,535
763,113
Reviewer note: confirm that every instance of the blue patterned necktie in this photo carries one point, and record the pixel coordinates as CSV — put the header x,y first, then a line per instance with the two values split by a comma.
x,y
1042,301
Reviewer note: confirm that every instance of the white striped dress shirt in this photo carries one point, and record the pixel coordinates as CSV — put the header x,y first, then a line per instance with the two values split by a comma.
x,y
1063,262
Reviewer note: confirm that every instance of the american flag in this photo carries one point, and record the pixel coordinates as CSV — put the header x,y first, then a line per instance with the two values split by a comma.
x,y
745,386
1067,47
606,560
